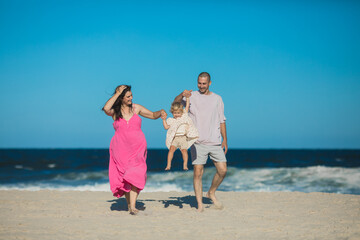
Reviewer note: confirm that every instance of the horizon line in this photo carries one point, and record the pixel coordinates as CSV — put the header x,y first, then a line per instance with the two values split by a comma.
x,y
87,148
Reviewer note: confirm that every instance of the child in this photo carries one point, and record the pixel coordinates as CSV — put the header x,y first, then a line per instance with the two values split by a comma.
x,y
181,132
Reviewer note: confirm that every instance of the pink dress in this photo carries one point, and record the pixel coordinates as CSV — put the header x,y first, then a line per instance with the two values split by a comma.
x,y
128,150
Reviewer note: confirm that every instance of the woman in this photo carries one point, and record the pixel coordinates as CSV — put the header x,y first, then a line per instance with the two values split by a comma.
x,y
127,165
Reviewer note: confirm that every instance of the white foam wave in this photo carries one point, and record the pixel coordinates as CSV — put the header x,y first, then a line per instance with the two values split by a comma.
x,y
22,167
51,165
38,187
310,179
163,188
95,188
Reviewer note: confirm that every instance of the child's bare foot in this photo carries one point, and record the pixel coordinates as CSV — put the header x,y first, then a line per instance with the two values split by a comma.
x,y
167,168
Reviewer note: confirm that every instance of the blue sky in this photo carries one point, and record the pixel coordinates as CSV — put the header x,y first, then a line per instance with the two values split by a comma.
x,y
289,73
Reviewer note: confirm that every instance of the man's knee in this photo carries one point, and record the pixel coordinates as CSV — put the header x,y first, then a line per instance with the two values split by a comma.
x,y
221,169
222,173
198,171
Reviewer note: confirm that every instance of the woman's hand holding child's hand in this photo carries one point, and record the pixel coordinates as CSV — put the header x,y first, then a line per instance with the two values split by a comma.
x,y
163,115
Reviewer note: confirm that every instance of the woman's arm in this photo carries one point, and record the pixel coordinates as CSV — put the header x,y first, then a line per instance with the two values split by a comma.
x,y
142,111
108,105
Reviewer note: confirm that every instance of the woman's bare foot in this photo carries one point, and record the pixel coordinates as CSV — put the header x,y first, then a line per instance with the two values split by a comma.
x,y
167,168
185,168
217,204
134,211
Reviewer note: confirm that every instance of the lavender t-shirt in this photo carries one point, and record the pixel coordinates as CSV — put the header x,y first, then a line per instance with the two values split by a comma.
x,y
207,112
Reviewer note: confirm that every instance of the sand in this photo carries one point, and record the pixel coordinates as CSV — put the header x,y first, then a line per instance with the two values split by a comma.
x,y
172,215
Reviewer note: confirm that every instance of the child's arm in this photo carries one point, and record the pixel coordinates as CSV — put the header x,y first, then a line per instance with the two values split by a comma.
x,y
187,104
166,126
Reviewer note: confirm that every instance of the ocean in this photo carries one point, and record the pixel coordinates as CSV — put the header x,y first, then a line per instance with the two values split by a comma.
x,y
249,170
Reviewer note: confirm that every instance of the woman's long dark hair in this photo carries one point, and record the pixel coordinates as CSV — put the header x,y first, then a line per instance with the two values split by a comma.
x,y
119,100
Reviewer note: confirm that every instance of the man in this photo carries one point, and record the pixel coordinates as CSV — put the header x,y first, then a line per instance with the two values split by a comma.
x,y
207,112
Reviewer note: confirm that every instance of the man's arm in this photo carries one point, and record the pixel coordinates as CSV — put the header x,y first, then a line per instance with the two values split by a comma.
x,y
223,134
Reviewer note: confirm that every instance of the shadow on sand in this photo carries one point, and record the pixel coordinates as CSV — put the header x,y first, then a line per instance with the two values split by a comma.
x,y
120,204
181,201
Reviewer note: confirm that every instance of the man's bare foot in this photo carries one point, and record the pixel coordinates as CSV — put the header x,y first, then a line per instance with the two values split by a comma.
x,y
217,204
200,209
167,168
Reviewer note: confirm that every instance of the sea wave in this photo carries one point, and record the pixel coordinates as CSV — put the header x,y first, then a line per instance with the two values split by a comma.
x,y
307,179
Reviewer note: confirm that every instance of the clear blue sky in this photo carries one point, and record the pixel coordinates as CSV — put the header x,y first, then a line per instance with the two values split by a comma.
x,y
288,72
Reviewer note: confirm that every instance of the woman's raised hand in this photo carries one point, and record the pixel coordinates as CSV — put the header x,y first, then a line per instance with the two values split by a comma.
x,y
163,114
120,89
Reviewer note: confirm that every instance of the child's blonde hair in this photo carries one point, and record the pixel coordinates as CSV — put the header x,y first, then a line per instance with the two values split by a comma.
x,y
175,106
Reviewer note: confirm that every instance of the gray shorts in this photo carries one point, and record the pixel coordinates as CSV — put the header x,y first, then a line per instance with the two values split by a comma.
x,y
200,153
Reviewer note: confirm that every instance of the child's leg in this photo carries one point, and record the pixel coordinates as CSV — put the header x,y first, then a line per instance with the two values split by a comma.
x,y
185,158
170,157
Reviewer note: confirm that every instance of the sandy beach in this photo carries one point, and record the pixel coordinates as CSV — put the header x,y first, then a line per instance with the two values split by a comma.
x,y
172,215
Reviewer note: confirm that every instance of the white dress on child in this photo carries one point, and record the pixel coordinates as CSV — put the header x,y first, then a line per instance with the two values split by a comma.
x,y
186,128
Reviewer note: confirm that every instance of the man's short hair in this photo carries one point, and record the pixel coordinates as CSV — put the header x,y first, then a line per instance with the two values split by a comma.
x,y
205,74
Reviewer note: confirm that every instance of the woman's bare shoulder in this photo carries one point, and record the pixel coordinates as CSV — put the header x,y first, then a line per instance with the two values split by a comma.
x,y
137,108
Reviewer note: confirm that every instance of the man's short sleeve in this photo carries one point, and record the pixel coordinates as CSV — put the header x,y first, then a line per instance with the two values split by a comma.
x,y
221,110
183,101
